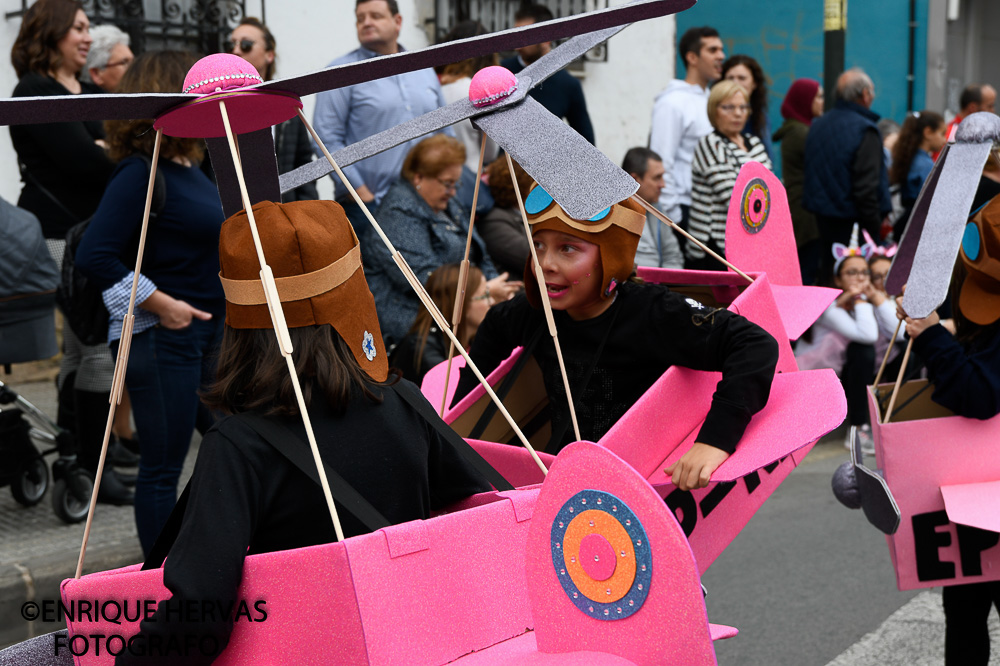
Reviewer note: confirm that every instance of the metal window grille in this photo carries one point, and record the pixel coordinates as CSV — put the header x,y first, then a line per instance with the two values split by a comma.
x,y
191,25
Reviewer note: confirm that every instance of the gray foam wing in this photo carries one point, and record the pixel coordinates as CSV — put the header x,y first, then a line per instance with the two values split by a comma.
x,y
433,121
64,108
448,115
902,263
506,40
941,235
578,176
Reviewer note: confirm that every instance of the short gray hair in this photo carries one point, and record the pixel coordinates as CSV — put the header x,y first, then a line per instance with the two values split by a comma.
x,y
106,37
853,83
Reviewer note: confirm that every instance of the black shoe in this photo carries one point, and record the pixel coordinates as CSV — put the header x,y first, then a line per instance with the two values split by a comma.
x,y
125,479
120,456
113,491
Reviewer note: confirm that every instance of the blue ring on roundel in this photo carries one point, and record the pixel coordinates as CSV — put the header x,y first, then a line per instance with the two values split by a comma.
x,y
970,241
598,500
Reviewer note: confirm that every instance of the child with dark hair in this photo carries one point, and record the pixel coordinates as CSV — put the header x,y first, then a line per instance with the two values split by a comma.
x,y
922,134
618,336
965,372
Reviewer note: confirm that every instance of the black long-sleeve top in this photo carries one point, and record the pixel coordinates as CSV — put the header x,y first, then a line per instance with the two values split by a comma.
x,y
651,329
246,498
61,157
966,380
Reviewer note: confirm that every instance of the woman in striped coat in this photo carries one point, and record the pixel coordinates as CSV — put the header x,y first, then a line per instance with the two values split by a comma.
x,y
717,161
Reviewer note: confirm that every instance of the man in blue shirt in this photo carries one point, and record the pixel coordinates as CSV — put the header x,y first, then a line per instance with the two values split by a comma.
x,y
348,115
561,94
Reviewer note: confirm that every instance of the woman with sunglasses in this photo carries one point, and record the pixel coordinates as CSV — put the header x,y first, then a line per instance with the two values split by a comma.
x,y
717,161
428,226
253,41
618,335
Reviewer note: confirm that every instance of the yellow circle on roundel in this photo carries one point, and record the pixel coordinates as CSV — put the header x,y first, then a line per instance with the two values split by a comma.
x,y
605,525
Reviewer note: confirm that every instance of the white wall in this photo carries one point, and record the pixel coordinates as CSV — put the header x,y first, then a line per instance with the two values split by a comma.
x,y
310,34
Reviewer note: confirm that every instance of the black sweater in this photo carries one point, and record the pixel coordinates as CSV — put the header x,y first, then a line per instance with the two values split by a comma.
x,y
63,159
246,498
653,329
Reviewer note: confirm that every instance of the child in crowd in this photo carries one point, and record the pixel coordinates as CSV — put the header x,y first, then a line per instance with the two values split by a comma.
x,y
922,134
885,305
965,372
844,336
618,336
424,345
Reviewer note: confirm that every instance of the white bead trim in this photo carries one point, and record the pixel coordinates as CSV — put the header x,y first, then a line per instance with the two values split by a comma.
x,y
489,99
227,77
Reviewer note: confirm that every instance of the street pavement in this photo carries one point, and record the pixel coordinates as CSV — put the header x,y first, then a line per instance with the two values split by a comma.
x,y
806,582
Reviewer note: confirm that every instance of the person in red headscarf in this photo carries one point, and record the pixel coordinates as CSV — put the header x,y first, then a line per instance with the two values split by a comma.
x,y
803,102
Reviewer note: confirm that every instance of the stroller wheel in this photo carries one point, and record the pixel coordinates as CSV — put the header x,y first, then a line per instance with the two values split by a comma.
x,y
31,482
71,496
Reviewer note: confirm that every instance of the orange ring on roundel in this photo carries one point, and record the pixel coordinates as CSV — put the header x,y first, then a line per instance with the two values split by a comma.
x,y
605,525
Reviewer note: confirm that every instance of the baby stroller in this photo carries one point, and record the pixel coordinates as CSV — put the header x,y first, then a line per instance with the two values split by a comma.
x,y
28,279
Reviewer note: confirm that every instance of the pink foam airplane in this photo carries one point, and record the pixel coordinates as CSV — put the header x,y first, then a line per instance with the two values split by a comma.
x,y
803,406
590,568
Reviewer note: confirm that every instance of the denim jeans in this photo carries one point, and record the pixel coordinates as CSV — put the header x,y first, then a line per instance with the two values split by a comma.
x,y
166,368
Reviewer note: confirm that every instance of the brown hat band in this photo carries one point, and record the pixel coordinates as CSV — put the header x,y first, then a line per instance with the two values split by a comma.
x,y
295,287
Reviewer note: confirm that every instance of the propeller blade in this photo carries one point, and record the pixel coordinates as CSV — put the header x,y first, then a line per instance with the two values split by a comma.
x,y
506,40
578,176
448,115
66,108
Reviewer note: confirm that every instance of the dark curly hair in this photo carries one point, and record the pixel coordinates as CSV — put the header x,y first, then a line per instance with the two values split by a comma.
x,y
911,135
43,25
156,72
758,98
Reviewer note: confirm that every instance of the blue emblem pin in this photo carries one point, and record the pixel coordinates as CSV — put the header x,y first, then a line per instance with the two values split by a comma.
x,y
368,346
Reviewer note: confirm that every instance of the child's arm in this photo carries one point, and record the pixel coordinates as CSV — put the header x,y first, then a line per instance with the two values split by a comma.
x,y
861,328
694,469
967,384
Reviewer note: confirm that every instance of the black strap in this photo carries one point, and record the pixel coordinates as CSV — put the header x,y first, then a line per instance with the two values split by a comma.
x,y
291,446
508,383
416,399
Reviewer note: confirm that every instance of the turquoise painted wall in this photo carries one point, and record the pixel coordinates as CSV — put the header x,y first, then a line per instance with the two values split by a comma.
x,y
786,37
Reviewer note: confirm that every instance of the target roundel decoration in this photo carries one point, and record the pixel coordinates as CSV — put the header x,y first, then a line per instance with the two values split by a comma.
x,y
755,205
601,555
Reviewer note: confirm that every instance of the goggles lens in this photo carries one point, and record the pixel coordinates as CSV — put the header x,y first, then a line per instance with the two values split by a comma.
x,y
539,201
970,241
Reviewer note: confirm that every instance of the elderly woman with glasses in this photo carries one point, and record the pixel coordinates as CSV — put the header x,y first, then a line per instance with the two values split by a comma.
x,y
717,161
428,226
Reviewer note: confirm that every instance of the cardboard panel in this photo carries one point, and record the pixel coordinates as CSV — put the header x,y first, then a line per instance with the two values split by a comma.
x,y
974,504
470,579
922,451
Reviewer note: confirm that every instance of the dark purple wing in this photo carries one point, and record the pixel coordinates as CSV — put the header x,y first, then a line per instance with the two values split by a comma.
x,y
506,40
29,110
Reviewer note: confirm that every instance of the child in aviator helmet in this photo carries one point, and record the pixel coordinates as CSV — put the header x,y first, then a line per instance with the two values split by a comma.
x,y
619,336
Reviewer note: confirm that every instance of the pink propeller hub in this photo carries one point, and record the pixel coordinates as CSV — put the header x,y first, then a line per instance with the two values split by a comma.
x,y
490,85
220,72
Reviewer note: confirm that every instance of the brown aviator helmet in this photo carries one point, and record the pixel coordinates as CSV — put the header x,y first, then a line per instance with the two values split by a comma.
x,y
616,230
979,299
316,260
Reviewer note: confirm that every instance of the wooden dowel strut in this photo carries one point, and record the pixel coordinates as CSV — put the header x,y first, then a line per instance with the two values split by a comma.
x,y
280,326
676,227
546,303
121,360
421,293
885,359
899,381
463,274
